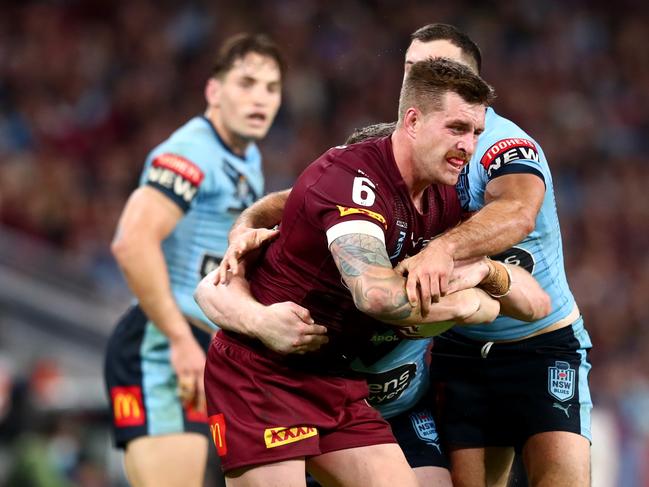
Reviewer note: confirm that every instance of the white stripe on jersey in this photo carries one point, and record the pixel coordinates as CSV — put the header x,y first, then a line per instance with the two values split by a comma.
x,y
354,226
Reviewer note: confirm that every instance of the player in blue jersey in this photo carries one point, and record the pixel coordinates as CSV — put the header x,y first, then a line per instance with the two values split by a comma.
x,y
509,383
526,383
172,232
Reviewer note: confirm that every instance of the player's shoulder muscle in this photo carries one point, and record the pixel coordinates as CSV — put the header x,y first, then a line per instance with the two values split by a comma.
x,y
505,148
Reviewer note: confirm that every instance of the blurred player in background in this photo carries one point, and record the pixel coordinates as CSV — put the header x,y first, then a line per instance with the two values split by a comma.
x,y
172,232
275,415
509,177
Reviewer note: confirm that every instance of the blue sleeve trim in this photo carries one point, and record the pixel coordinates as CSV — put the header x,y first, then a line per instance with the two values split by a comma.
x,y
169,193
514,168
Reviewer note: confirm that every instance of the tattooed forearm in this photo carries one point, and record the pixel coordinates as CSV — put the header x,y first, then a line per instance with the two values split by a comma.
x,y
380,291
356,252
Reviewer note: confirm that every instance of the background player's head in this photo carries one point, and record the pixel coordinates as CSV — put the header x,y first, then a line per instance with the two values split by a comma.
x,y
429,41
244,92
442,40
441,114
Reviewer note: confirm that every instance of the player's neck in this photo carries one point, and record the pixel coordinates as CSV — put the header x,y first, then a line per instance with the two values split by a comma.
x,y
403,157
235,143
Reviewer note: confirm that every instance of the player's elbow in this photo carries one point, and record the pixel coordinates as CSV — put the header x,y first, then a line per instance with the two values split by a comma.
x,y
121,248
541,306
527,224
378,302
373,308
202,291
525,220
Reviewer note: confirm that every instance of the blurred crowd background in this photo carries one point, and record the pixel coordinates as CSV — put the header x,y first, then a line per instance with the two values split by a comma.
x,y
87,88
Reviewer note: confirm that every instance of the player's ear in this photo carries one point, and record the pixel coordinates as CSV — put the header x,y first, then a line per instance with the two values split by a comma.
x,y
412,119
213,89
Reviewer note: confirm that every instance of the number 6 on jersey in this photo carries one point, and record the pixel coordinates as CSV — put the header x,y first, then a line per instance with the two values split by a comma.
x,y
362,191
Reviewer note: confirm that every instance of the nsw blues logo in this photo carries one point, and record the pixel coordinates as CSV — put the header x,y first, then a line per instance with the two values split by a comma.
x,y
561,381
424,426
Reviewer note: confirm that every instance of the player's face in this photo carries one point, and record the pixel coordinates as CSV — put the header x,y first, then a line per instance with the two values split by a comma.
x,y
446,139
248,97
420,51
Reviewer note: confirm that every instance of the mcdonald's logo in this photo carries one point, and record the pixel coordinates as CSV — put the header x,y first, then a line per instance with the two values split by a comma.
x,y
128,408
283,436
217,430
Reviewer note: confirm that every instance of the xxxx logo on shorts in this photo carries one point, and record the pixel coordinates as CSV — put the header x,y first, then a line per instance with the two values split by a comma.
x,y
217,430
283,436
128,408
561,381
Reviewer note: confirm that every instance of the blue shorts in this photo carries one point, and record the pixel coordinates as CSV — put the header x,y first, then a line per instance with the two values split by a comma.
x,y
502,394
417,436
141,383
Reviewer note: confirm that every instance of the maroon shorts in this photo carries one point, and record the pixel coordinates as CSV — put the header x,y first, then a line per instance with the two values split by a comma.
x,y
262,411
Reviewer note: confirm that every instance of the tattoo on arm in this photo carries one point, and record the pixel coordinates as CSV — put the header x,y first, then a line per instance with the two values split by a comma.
x,y
356,252
363,261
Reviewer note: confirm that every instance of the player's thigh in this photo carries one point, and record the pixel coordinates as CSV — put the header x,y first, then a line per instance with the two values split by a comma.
x,y
433,477
557,459
416,434
480,467
287,473
169,460
382,465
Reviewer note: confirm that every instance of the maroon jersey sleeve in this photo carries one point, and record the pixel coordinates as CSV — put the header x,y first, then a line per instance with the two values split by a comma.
x,y
347,198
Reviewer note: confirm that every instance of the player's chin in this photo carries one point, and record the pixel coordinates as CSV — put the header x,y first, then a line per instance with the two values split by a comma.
x,y
451,178
453,172
256,133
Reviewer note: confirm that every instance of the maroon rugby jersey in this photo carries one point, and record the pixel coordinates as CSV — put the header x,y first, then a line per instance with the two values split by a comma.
x,y
353,183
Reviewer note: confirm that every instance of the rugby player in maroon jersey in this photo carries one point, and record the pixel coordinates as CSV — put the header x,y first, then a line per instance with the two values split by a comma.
x,y
352,214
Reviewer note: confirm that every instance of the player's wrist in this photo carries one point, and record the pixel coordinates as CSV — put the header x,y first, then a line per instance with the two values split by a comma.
x,y
252,319
179,333
446,245
238,229
498,282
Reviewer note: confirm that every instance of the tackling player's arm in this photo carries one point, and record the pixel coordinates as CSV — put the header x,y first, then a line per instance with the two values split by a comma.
x,y
250,231
526,299
264,213
519,294
512,203
148,218
283,327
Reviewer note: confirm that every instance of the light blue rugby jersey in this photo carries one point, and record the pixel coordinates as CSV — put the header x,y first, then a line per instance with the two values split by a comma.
x,y
504,148
397,375
212,185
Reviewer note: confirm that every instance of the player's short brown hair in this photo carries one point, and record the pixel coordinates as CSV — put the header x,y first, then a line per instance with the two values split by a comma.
x,y
239,45
428,81
446,32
